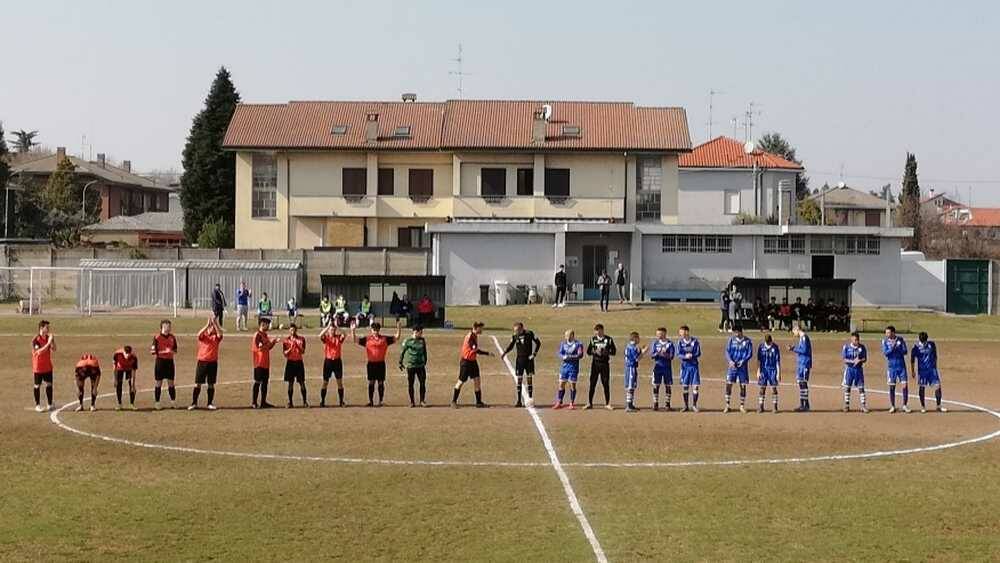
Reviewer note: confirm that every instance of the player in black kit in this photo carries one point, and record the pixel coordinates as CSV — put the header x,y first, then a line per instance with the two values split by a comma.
x,y
527,346
600,349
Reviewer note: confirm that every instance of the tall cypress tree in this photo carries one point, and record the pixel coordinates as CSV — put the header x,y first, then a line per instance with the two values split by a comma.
x,y
208,185
4,166
910,200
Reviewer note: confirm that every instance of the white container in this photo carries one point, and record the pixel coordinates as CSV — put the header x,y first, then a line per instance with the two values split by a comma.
x,y
501,290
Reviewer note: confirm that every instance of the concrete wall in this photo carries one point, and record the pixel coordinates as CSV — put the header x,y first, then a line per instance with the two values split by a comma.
x,y
923,283
471,260
702,194
693,272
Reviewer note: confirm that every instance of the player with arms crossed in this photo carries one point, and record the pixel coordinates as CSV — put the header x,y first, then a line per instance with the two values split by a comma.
x,y
164,348
633,354
468,367
923,366
768,371
600,349
894,350
803,365
126,366
333,365
855,354
661,350
689,350
376,347
570,352
294,348
413,359
87,368
260,348
207,369
526,346
739,351
42,347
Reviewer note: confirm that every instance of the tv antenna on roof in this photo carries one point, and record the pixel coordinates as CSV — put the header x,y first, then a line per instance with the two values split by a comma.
x,y
711,106
459,72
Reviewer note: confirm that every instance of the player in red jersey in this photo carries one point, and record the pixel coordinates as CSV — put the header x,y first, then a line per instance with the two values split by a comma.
x,y
294,348
42,347
260,348
126,366
376,345
207,369
164,348
468,367
333,365
87,368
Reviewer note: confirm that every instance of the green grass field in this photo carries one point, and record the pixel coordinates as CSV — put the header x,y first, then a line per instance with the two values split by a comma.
x,y
469,484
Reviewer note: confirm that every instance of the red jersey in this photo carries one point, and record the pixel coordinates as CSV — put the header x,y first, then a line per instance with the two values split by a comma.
x,y
376,347
332,345
164,346
208,346
41,360
294,347
261,346
470,346
125,363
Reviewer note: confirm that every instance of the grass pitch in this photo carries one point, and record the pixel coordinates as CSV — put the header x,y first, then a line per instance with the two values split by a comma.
x,y
69,497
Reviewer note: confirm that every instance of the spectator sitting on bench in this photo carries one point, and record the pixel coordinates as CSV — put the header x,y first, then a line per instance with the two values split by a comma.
x,y
760,314
264,308
292,309
425,310
772,314
809,313
364,316
843,316
340,315
798,310
785,315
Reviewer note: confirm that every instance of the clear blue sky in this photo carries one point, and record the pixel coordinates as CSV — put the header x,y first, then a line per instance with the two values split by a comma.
x,y
851,84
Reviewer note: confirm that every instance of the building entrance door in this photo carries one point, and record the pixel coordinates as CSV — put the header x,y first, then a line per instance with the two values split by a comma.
x,y
595,260
822,267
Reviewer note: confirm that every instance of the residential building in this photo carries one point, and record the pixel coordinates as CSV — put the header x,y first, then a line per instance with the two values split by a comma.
x,y
937,203
149,229
848,207
983,222
122,191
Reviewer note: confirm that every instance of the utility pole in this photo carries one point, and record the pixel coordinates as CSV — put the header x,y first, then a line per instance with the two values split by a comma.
x,y
459,72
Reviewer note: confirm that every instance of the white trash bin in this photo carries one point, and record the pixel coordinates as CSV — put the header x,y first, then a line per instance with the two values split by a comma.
x,y
501,293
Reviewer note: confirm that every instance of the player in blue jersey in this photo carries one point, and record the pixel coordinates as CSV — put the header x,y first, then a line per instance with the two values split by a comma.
x,y
633,353
661,350
923,366
768,372
894,350
570,352
739,351
854,355
689,350
803,365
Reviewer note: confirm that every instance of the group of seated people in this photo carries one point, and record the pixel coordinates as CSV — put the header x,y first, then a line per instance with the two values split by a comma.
x,y
336,311
813,314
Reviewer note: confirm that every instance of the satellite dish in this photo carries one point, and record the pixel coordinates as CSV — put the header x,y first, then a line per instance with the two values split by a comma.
x,y
841,185
749,147
547,112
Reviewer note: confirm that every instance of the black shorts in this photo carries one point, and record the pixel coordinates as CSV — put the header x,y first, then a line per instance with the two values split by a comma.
x,y
206,372
295,371
376,371
334,368
163,369
261,375
83,375
121,374
46,377
468,370
524,366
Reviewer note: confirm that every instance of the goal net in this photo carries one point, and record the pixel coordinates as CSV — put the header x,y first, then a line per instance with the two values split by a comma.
x,y
89,290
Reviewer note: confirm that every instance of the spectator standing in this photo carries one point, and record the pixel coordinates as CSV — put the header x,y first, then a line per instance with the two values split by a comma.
x,y
723,311
604,284
243,295
218,304
621,275
560,282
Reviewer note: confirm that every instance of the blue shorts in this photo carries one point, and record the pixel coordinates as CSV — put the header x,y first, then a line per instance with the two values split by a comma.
x,y
740,375
932,377
895,375
631,377
802,374
854,378
690,375
663,376
569,372
767,379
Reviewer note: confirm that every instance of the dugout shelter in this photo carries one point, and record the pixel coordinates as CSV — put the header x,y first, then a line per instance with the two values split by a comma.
x,y
379,290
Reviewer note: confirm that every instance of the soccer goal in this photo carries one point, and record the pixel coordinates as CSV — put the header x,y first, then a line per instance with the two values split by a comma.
x,y
89,290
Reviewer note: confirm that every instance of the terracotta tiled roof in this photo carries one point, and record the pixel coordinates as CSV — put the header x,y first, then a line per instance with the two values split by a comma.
x,y
48,164
725,152
846,196
973,217
457,124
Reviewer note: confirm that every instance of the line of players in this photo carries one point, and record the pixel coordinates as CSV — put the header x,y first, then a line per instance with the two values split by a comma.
x,y
739,351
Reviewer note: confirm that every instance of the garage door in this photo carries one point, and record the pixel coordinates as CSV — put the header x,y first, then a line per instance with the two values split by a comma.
x,y
968,286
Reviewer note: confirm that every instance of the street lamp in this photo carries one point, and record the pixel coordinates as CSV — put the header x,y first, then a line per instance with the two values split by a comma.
x,y
83,206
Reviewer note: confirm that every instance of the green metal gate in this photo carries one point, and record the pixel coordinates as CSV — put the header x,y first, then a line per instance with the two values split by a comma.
x,y
968,286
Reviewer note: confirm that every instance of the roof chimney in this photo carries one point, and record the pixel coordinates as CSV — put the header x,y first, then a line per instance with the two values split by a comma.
x,y
100,159
127,165
409,97
371,127
60,154
538,127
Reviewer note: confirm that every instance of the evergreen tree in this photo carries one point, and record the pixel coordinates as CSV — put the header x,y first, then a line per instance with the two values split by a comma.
x,y
4,169
24,140
216,233
57,205
909,199
774,143
208,185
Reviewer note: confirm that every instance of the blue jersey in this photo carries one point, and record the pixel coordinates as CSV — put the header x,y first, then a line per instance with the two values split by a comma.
x,y
662,351
894,350
685,347
632,355
925,356
739,351
243,297
851,353
768,358
570,352
804,352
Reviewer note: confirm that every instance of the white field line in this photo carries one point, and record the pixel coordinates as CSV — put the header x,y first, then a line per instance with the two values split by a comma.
x,y
574,502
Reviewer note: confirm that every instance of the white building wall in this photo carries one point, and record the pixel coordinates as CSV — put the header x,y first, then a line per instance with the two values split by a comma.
x,y
923,282
470,260
684,271
877,278
701,196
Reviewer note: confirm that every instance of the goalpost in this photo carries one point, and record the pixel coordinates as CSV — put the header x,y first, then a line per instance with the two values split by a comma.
x,y
86,290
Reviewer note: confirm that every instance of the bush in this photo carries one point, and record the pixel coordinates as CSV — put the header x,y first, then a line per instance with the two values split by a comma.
x,y
216,233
